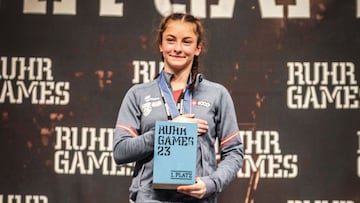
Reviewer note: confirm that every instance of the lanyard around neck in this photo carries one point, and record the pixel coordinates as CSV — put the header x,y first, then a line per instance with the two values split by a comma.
x,y
174,109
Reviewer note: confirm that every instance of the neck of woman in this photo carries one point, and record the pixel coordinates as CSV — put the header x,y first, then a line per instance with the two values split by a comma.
x,y
180,78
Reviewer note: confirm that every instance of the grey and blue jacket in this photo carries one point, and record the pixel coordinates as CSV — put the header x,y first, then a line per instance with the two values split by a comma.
x,y
134,133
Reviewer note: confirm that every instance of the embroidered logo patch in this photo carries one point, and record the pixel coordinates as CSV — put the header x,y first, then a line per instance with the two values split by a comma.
x,y
201,103
147,107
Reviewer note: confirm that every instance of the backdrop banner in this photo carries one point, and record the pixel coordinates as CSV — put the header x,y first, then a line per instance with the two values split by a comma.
x,y
292,68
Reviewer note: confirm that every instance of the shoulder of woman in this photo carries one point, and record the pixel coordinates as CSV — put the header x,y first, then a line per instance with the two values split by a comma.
x,y
142,86
211,84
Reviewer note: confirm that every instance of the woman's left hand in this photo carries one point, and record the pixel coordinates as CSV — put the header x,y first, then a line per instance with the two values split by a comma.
x,y
197,190
190,118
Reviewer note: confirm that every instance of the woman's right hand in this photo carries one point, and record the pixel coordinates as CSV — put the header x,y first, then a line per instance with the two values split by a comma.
x,y
190,118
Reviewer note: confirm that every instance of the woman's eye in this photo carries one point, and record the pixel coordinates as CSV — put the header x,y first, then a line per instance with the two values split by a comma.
x,y
170,40
187,42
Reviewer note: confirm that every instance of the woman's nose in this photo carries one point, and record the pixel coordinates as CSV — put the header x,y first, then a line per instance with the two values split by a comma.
x,y
178,47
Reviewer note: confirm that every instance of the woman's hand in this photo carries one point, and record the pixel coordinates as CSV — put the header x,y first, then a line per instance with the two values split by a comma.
x,y
190,118
197,190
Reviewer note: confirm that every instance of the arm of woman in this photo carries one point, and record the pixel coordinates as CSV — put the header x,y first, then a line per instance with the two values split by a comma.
x,y
231,151
231,146
129,145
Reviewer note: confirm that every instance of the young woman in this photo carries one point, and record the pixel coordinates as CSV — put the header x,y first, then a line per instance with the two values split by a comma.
x,y
179,93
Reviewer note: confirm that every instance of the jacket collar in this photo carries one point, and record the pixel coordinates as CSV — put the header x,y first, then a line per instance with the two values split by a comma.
x,y
169,76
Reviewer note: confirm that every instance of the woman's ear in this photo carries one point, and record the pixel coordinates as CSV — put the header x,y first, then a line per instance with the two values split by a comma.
x,y
198,50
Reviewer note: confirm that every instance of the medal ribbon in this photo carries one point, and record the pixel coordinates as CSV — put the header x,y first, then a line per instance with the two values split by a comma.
x,y
171,107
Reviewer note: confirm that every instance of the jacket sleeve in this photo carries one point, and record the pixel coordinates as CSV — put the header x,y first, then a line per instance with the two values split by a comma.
x,y
129,145
231,146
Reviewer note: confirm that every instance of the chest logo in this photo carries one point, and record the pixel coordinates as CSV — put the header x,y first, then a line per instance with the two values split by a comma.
x,y
150,102
201,103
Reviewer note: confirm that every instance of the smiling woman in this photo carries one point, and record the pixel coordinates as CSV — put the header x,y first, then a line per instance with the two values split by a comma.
x,y
179,47
181,40
208,104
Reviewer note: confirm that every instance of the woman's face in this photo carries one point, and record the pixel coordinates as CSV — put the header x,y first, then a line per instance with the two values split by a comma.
x,y
179,45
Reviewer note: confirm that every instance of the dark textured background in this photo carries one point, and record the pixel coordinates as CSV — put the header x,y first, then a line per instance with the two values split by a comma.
x,y
246,53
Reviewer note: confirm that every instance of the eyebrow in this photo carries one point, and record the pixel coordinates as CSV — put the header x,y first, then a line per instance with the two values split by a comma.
x,y
170,35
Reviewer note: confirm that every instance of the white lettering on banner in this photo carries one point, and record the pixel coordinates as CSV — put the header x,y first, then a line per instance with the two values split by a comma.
x,y
31,78
15,198
270,9
264,142
70,162
320,201
144,71
165,7
336,73
68,7
63,7
223,9
34,6
111,8
86,150
35,69
270,166
198,8
318,84
85,139
268,160
358,153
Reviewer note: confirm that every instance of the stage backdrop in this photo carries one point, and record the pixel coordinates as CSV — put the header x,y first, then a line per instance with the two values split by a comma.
x,y
291,66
